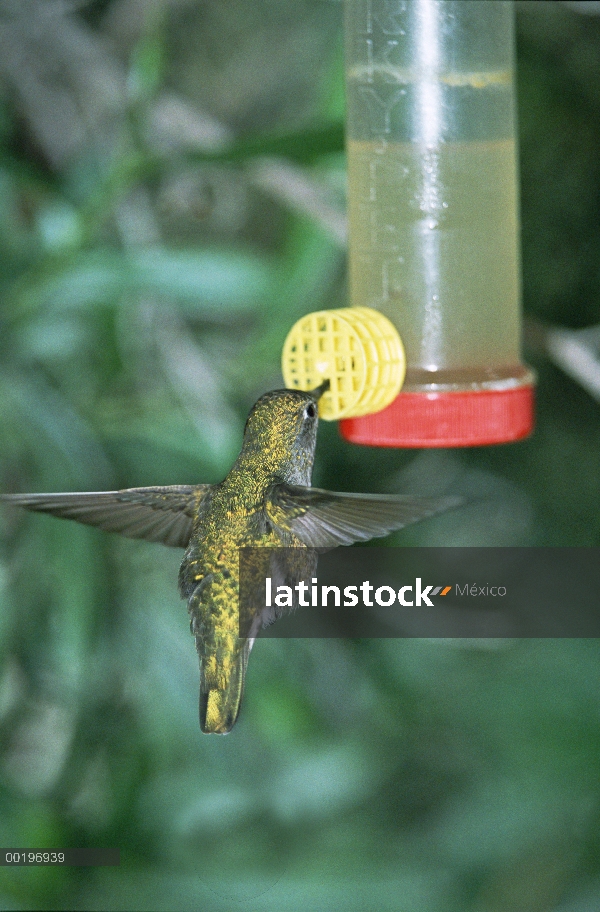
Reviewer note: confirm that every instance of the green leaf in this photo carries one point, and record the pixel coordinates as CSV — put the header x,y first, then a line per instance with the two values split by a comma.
x,y
204,281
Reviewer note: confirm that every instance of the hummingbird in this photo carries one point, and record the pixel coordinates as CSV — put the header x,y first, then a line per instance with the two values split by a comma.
x,y
267,501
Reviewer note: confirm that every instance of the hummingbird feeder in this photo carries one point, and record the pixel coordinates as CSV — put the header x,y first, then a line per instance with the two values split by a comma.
x,y
433,249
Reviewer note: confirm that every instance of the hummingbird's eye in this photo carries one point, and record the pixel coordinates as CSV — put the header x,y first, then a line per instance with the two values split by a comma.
x,y
310,411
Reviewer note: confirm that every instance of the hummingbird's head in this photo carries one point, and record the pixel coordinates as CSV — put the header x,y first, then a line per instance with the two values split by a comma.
x,y
281,431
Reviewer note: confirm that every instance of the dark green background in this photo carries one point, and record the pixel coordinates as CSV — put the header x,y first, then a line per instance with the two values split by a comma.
x,y
145,292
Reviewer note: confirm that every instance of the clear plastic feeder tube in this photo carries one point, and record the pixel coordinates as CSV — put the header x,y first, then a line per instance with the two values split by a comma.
x,y
433,208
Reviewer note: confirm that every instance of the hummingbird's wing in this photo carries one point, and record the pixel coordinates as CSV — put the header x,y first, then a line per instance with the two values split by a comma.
x,y
161,514
325,519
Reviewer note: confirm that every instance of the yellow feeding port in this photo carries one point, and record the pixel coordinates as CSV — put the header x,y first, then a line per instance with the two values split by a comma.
x,y
357,349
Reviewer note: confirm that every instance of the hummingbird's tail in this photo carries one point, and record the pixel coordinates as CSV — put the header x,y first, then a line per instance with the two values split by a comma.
x,y
221,690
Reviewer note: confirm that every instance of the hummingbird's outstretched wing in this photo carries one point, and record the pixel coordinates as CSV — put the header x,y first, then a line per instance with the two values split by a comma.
x,y
325,519
161,514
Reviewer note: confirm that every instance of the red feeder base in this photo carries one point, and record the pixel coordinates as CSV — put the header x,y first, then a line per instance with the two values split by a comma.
x,y
447,419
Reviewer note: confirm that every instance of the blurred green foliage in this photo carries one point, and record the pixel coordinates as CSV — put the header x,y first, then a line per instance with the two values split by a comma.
x,y
150,267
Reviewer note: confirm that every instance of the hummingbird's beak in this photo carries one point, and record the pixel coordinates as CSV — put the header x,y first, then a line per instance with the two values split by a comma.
x,y
319,390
